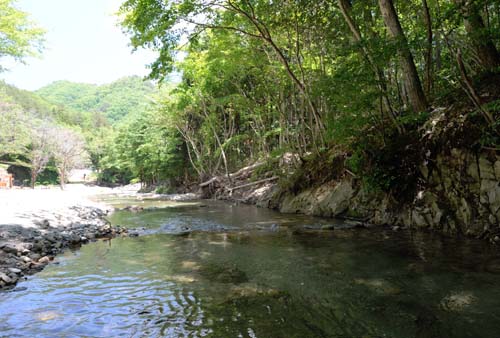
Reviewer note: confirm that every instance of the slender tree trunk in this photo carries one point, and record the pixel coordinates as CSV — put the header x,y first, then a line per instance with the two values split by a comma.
x,y
345,8
33,178
428,53
438,52
483,45
62,178
470,89
266,36
413,85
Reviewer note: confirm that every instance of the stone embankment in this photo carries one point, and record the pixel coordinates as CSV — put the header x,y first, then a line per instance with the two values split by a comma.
x,y
459,195
37,225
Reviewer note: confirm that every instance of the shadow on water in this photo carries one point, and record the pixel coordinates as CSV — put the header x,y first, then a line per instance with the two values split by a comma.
x,y
239,271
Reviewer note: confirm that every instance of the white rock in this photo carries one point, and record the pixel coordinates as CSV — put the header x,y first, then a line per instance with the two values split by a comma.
x,y
5,278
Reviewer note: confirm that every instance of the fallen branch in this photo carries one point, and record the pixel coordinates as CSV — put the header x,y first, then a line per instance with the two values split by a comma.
x,y
491,148
246,169
233,175
350,173
210,181
274,178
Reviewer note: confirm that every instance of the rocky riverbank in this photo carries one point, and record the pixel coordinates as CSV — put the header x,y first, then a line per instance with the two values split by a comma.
x,y
36,225
458,194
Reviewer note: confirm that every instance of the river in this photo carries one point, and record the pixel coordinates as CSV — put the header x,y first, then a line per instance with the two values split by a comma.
x,y
213,269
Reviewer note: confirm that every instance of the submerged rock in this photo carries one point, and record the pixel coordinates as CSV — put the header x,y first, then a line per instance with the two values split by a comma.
x,y
379,285
46,316
252,290
457,302
183,279
223,274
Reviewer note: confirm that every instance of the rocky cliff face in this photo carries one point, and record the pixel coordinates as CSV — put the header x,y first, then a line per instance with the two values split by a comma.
x,y
460,194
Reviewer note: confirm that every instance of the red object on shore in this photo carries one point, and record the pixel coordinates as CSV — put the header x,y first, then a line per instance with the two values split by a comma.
x,y
6,179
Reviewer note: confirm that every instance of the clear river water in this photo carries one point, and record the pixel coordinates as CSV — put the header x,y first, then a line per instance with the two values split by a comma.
x,y
212,269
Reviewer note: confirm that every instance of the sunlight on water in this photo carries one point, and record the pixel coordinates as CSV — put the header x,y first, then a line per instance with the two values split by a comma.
x,y
251,280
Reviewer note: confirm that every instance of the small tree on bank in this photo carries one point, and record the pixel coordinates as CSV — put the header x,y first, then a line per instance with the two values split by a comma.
x,y
40,150
68,151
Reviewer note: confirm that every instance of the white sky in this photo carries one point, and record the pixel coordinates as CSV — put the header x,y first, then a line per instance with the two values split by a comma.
x,y
83,44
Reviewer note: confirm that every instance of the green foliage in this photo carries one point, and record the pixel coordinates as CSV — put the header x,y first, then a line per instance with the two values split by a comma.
x,y
14,127
48,176
391,167
490,135
19,37
119,154
265,78
114,101
143,147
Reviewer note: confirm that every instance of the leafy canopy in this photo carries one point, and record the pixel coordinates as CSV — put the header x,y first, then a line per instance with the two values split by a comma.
x,y
19,36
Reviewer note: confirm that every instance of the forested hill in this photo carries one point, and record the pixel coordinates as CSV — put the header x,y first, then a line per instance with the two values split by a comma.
x,y
29,101
35,127
115,100
33,108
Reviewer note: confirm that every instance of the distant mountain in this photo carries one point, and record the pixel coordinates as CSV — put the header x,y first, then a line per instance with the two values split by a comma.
x,y
30,102
115,100
34,107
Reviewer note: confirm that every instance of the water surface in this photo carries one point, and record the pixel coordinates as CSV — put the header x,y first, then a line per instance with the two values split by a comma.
x,y
222,270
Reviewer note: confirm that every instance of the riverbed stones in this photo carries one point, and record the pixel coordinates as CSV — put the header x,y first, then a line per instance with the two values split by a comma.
x,y
223,274
457,302
29,249
379,285
44,260
43,224
6,279
9,248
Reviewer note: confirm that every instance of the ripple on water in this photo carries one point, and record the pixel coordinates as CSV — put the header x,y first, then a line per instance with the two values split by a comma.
x,y
255,283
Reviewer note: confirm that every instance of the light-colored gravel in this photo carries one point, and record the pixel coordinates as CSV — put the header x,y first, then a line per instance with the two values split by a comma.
x,y
25,207
37,224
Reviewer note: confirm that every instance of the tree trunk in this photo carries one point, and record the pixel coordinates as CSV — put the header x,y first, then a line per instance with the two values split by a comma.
x,y
345,8
412,82
483,45
34,175
266,36
62,178
428,53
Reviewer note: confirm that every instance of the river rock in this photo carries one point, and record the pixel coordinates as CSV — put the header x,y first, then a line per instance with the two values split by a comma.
x,y
14,270
33,256
44,260
457,302
8,248
379,285
75,239
44,223
5,278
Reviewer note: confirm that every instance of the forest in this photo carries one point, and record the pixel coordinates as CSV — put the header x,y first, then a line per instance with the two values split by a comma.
x,y
260,79
318,79
64,125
